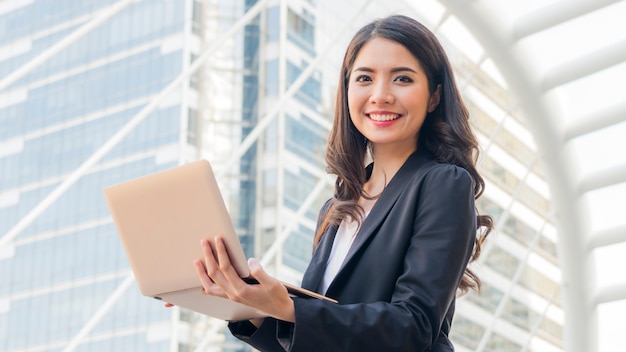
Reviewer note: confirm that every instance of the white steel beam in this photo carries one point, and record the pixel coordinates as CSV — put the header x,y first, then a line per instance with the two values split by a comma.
x,y
102,17
607,237
603,178
601,118
554,13
611,293
584,65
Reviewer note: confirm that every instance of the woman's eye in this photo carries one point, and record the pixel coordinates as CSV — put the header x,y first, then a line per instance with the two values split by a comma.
x,y
404,79
362,78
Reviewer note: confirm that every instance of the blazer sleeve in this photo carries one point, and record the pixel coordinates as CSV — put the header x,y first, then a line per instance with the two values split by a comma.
x,y
264,338
273,335
442,239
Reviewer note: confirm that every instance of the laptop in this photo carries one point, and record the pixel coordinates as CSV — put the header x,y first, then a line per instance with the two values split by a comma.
x,y
161,219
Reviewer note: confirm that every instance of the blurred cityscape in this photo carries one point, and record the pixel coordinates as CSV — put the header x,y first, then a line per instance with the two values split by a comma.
x,y
95,92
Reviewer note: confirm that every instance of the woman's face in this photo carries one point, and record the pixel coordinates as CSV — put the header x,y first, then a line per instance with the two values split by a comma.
x,y
388,96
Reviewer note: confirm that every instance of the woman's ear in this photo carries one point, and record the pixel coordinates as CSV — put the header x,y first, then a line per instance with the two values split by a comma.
x,y
433,101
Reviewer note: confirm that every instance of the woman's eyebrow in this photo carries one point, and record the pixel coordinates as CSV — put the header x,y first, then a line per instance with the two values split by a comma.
x,y
365,69
401,69
393,70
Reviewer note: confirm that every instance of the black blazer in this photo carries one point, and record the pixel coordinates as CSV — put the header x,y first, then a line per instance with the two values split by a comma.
x,y
396,288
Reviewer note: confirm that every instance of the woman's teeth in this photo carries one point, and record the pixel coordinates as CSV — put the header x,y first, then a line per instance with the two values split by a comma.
x,y
383,117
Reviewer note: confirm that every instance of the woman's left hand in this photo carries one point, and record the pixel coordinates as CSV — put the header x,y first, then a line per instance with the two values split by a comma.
x,y
219,278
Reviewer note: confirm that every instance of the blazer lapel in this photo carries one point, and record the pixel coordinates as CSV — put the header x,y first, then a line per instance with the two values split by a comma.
x,y
317,266
385,202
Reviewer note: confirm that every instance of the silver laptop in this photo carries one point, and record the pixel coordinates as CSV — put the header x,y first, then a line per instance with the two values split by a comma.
x,y
161,219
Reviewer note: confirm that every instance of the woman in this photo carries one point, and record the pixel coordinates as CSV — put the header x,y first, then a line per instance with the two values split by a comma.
x,y
393,244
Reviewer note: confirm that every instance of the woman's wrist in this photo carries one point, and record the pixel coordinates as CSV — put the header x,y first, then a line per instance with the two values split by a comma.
x,y
257,322
289,312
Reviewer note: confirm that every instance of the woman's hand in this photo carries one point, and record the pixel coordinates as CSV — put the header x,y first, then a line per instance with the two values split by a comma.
x,y
219,278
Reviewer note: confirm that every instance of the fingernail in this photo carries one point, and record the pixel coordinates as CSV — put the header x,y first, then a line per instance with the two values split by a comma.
x,y
252,262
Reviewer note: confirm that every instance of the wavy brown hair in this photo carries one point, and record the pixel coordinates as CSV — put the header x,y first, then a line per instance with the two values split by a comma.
x,y
446,131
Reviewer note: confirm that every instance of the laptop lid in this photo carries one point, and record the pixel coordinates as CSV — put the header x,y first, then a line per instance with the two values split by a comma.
x,y
161,219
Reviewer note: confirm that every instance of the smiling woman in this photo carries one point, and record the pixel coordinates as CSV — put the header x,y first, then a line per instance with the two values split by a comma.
x,y
393,244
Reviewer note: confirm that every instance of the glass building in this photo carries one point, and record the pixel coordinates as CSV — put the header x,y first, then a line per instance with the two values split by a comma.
x,y
94,92
59,268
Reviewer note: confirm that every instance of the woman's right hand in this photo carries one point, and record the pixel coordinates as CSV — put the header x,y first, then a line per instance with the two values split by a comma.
x,y
219,278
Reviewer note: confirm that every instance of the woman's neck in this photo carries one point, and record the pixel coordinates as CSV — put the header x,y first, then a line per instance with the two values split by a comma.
x,y
387,162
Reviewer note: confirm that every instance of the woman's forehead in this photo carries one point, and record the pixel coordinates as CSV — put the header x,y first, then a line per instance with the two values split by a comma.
x,y
381,53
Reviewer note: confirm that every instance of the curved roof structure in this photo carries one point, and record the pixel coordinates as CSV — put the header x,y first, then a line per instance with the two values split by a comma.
x,y
565,61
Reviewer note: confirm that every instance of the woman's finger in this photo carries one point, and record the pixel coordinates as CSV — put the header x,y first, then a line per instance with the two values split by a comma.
x,y
256,271
211,263
225,265
205,280
217,262
208,286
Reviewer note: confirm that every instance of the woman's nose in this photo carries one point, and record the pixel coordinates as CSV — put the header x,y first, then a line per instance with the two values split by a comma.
x,y
381,94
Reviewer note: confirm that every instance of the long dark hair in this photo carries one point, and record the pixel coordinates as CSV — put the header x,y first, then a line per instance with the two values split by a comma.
x,y
446,131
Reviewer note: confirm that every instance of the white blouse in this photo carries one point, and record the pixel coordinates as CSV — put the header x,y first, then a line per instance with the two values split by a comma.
x,y
343,240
